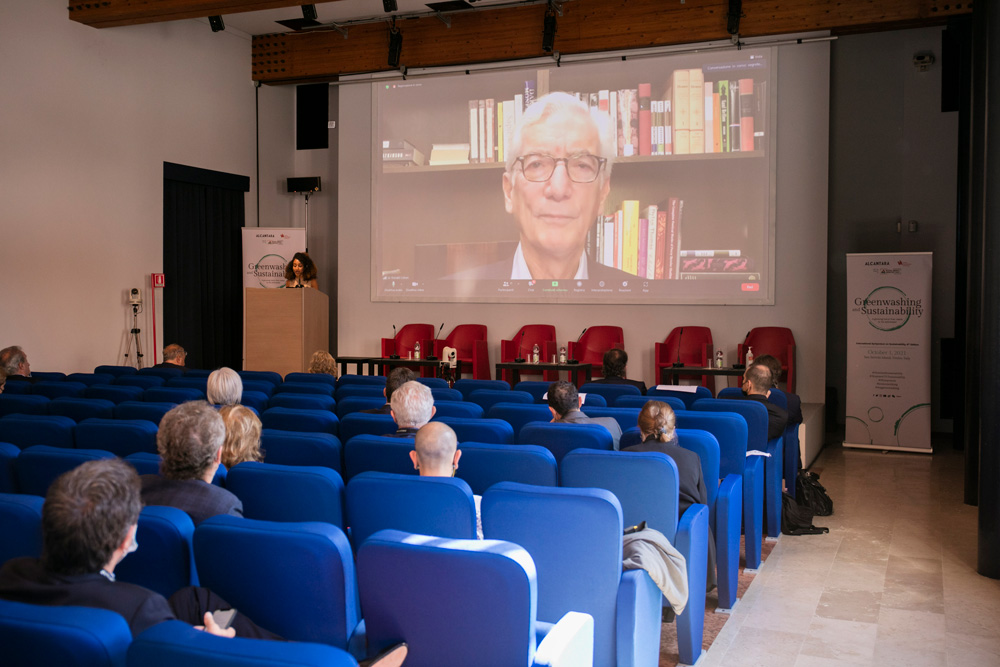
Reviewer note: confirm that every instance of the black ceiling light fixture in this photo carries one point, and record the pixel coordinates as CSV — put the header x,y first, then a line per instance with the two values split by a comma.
x,y
549,30
309,12
217,23
389,5
733,19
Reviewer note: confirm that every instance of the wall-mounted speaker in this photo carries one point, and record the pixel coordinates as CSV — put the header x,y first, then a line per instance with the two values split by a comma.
x,y
305,184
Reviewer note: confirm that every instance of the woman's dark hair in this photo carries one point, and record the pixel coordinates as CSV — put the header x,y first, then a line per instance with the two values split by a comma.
x,y
308,268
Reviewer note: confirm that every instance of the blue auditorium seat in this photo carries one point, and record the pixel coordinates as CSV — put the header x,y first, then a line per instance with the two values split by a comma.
x,y
116,371
121,437
172,395
626,417
27,430
116,393
484,464
433,383
263,386
21,518
466,409
23,404
307,421
165,560
301,449
519,414
91,378
537,389
273,492
312,377
267,376
37,467
485,605
441,506
467,386
143,410
143,381
640,401
350,404
161,372
446,394
488,397
357,423
365,452
610,392
8,479
689,397
365,390
79,409
560,438
376,380
56,389
304,388
255,400
480,430
43,635
295,579
303,401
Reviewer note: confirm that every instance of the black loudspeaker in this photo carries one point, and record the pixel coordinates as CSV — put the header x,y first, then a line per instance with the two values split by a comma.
x,y
217,23
312,110
306,184
309,12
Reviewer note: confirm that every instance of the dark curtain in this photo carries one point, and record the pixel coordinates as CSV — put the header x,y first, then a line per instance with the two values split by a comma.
x,y
203,212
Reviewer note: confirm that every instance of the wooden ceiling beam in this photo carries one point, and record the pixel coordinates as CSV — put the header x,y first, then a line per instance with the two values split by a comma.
x,y
112,13
585,26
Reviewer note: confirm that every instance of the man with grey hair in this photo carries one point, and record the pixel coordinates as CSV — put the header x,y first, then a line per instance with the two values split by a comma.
x,y
190,443
412,407
557,177
224,387
173,357
14,362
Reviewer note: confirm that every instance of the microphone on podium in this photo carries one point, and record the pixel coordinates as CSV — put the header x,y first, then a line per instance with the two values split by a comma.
x,y
432,356
394,355
520,347
680,338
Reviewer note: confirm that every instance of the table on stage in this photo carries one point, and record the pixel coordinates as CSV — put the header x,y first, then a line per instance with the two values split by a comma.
x,y
672,375
515,368
384,364
359,363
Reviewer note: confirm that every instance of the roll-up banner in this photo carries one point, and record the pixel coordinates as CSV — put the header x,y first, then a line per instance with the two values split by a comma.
x,y
889,351
266,253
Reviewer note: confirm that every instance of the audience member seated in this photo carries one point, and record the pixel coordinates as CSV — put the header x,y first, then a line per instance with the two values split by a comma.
x,y
190,445
14,363
396,379
89,521
412,407
757,385
564,404
323,362
3,379
225,387
613,370
173,357
242,441
657,423
794,402
436,454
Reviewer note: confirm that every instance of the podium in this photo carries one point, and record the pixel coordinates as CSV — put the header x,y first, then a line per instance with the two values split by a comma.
x,y
283,327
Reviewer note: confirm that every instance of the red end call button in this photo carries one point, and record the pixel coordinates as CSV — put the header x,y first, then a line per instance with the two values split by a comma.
x,y
750,287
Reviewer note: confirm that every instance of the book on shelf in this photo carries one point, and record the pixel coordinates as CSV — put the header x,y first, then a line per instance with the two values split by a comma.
x,y
734,116
672,240
644,112
723,87
696,97
491,146
482,131
518,109
403,156
508,127
499,130
716,119
716,265
449,154
529,93
643,241
710,253
710,128
473,130
541,83
759,114
746,114
630,247
613,110
679,95
643,247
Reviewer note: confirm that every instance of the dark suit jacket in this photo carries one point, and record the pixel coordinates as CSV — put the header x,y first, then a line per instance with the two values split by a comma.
x,y
638,384
25,580
777,419
692,482
167,364
501,270
794,408
577,417
384,410
402,433
199,499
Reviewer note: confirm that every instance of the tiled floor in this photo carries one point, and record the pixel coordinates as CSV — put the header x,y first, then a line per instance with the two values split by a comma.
x,y
893,583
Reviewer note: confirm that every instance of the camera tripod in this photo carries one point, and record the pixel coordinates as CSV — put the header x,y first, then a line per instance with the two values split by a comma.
x,y
134,337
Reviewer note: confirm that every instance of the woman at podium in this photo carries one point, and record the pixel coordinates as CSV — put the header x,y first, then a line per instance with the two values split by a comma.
x,y
301,272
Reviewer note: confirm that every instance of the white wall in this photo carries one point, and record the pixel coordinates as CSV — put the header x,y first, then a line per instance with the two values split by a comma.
x,y
894,157
88,117
801,220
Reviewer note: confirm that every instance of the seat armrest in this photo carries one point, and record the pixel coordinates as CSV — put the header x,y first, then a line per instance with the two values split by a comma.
x,y
388,346
437,347
728,518
357,645
481,360
570,643
571,349
660,354
692,541
638,620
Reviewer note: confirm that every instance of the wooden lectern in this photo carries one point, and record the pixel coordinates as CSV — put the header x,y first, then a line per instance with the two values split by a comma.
x,y
283,327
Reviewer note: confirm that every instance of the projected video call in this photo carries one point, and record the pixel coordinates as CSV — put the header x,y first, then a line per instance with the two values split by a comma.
x,y
647,180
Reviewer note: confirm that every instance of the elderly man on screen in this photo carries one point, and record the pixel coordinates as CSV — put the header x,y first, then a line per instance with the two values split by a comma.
x,y
557,176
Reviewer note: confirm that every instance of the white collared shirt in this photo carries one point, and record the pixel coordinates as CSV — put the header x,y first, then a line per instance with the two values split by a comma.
x,y
520,270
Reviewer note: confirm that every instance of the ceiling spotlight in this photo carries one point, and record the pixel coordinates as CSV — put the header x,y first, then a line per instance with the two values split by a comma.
x,y
309,12
549,31
389,5
216,23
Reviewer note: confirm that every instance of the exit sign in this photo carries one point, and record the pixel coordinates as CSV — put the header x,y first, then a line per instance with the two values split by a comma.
x,y
159,280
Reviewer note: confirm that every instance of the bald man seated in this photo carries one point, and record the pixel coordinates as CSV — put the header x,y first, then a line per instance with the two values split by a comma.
x,y
436,454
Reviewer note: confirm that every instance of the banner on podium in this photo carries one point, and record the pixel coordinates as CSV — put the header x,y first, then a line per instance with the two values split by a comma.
x,y
266,253
889,351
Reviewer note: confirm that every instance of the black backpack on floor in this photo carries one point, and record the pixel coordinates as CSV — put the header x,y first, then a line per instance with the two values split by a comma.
x,y
797,519
810,493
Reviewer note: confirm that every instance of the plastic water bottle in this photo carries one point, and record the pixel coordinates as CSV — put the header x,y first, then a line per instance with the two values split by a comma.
x,y
416,350
718,359
534,354
749,356
562,354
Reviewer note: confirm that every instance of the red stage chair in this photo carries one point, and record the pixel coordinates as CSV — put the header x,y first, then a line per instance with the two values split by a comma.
x,y
469,340
592,345
524,341
695,350
406,340
776,341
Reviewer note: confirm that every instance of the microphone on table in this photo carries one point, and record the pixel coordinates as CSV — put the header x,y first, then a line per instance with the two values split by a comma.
x,y
394,356
680,338
520,347
573,360
432,356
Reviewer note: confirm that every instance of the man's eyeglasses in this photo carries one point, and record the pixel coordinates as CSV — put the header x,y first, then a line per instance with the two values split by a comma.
x,y
580,168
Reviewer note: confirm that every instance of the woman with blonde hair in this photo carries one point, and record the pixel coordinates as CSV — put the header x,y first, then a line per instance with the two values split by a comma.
x,y
242,441
323,362
658,423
